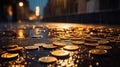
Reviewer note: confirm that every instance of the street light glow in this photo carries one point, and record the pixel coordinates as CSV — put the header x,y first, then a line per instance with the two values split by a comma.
x,y
21,4
37,11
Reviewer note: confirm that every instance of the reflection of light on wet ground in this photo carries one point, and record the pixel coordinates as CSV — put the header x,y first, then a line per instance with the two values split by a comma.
x,y
62,25
37,30
16,66
21,33
66,33
68,25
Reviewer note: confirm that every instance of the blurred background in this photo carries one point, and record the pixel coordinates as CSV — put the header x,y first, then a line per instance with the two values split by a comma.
x,y
80,11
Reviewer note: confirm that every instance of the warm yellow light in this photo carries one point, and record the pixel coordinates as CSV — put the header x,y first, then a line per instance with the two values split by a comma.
x,y
20,34
21,4
37,31
10,12
33,26
30,18
33,17
64,26
37,12
16,66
